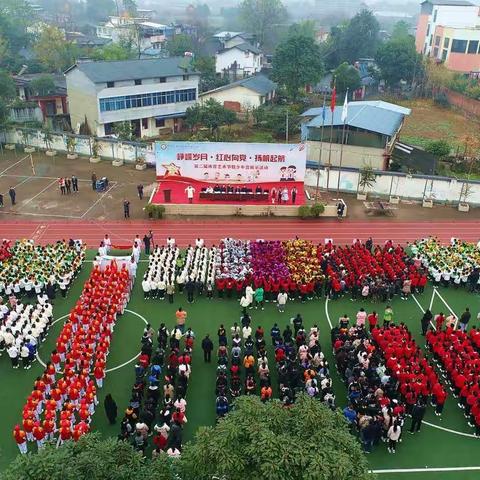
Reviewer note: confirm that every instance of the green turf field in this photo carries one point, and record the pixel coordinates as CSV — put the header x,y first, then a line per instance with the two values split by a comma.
x,y
433,448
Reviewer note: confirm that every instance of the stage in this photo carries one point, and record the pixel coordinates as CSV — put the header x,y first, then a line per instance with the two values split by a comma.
x,y
173,191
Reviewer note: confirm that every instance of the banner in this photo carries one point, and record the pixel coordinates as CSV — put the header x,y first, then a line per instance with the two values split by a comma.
x,y
228,163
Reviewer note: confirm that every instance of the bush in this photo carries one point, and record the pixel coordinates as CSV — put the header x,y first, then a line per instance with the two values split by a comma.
x,y
154,211
442,100
317,209
304,211
439,148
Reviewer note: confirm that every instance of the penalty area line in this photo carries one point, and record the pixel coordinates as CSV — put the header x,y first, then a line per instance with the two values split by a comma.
x,y
426,470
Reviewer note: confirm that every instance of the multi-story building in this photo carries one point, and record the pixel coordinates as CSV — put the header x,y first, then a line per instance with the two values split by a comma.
x,y
152,94
435,16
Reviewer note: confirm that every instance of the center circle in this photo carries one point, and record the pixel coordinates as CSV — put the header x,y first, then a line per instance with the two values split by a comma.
x,y
141,317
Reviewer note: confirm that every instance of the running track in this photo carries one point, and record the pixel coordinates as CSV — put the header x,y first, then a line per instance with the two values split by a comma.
x,y
184,232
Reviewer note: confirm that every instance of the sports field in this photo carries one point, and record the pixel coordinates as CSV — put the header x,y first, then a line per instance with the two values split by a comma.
x,y
444,443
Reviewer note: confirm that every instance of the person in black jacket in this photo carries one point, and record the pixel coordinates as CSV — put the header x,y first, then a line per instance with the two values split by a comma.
x,y
426,319
418,412
110,408
207,347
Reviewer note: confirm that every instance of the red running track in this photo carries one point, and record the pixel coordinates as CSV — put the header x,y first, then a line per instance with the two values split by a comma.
x,y
212,230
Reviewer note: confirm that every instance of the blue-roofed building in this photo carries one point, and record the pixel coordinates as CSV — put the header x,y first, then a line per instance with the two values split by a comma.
x,y
371,130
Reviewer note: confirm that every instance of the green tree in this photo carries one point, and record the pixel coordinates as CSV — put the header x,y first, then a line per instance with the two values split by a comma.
x,y
124,131
439,148
260,16
53,51
306,28
114,51
296,63
401,30
398,60
208,76
89,458
179,45
211,115
271,442
43,85
99,10
347,78
7,87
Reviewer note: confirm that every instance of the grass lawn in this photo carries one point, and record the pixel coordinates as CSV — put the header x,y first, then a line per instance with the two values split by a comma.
x,y
433,447
431,122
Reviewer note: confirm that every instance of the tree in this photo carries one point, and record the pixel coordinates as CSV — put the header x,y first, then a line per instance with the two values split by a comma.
x,y
7,87
271,442
114,51
130,7
398,59
43,85
89,458
306,28
180,44
347,78
53,51
401,30
124,131
99,10
439,148
296,63
437,76
211,115
259,16
208,76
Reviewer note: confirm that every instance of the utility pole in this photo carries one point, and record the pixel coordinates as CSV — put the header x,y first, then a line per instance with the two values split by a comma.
x,y
286,127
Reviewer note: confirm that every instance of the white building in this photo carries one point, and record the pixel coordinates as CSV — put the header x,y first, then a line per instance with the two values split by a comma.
x,y
240,60
244,94
151,94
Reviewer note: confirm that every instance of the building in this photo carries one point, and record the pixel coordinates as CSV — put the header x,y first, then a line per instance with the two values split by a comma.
x,y
243,94
49,107
454,14
372,129
239,61
148,36
151,94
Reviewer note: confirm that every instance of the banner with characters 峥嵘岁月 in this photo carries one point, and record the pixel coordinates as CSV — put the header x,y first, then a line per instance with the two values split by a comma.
x,y
231,162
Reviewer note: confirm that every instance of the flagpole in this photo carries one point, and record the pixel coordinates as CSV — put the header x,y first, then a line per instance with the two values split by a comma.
x,y
332,109
341,146
321,150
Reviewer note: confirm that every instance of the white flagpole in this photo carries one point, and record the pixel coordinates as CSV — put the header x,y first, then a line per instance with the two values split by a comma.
x,y
344,119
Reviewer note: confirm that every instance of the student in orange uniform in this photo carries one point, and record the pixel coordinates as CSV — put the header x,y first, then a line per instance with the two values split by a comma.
x,y
21,439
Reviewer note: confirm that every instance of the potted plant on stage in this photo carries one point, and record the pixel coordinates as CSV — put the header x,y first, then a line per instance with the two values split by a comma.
x,y
71,144
25,138
95,149
47,139
140,164
466,191
366,180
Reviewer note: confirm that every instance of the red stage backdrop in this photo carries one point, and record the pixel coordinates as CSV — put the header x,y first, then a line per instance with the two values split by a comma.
x,y
231,163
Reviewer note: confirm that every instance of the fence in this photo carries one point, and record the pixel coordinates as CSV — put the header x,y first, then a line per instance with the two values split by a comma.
x,y
412,187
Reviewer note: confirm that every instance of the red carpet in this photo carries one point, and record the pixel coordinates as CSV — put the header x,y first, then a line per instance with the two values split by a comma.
x,y
177,187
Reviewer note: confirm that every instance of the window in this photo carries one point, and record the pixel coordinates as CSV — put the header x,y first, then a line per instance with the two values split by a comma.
x,y
138,82
446,42
435,52
459,46
159,122
110,84
428,30
145,123
444,55
147,99
162,79
472,46
435,16
108,128
186,77
437,41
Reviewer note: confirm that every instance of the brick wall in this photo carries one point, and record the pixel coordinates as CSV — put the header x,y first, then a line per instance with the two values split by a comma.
x,y
468,105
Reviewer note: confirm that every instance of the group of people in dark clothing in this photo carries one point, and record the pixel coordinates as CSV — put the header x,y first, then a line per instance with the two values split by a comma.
x,y
299,363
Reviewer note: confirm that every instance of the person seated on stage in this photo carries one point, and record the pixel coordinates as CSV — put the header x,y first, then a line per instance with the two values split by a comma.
x,y
216,188
258,189
229,189
244,189
204,190
266,191
209,190
237,189
223,189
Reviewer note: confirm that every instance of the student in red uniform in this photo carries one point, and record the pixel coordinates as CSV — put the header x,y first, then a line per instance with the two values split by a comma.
x,y
372,320
20,439
39,434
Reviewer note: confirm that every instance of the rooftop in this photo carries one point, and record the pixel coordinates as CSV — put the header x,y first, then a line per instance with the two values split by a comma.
x,y
375,116
257,83
457,3
102,72
243,47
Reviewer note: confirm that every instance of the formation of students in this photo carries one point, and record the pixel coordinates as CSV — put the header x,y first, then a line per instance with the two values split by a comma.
x,y
299,363
172,359
23,328
456,264
32,269
456,354
63,399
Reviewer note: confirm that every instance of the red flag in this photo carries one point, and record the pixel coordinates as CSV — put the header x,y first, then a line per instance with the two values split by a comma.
x,y
334,97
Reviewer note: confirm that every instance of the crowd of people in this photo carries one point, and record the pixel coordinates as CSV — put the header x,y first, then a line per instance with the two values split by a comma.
x,y
456,264
243,365
162,373
23,327
64,398
32,269
456,354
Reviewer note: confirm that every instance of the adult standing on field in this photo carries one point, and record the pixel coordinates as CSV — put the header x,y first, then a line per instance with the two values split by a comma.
x,y
110,408
426,319
207,347
12,194
126,209
181,317
418,412
140,191
464,319
94,181
74,184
